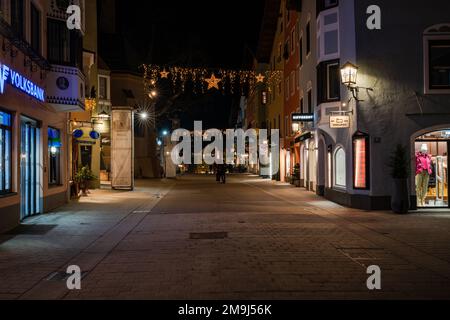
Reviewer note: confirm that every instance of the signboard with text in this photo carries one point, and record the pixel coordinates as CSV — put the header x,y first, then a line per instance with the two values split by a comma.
x,y
303,117
339,122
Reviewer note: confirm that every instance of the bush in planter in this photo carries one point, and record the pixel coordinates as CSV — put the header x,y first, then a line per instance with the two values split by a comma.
x,y
83,177
296,175
400,169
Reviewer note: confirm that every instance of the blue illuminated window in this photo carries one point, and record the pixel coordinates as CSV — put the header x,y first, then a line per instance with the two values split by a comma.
x,y
54,156
5,152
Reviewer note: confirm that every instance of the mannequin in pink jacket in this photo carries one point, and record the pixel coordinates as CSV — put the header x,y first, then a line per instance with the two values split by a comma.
x,y
423,172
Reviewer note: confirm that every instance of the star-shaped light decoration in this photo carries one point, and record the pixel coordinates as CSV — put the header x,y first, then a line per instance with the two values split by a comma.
x,y
164,74
260,78
213,82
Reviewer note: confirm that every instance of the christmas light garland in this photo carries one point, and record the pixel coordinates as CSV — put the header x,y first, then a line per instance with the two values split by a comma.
x,y
205,79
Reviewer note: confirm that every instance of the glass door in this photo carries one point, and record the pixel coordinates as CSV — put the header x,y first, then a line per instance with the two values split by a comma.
x,y
30,169
432,181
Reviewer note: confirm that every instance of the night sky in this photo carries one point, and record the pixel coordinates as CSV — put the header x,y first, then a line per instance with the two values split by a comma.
x,y
198,33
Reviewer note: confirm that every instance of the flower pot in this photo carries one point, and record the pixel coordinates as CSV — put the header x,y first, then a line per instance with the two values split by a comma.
x,y
400,201
297,183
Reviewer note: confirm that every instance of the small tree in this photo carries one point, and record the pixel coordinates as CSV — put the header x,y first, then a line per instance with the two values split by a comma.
x,y
399,163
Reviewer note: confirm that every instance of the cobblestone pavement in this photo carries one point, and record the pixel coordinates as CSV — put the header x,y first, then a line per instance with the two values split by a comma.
x,y
249,239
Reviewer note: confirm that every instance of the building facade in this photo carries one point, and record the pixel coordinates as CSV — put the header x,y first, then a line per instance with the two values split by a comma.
x,y
41,80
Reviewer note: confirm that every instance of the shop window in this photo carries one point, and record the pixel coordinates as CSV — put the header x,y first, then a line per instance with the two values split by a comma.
x,y
361,166
340,180
54,156
5,153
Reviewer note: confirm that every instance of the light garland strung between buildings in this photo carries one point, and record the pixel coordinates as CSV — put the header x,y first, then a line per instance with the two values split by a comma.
x,y
203,79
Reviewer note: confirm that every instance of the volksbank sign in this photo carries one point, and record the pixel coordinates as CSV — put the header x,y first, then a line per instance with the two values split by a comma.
x,y
8,75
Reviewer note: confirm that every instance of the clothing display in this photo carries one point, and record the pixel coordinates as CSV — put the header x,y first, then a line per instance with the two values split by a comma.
x,y
423,172
423,163
422,180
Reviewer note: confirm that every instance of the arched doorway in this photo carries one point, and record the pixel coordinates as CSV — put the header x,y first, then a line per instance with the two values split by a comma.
x,y
430,166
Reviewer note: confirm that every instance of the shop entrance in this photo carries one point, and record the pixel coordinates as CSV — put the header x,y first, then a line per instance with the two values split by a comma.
x,y
431,153
30,169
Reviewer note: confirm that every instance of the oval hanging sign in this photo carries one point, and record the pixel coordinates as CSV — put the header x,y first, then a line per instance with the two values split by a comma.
x,y
94,135
77,133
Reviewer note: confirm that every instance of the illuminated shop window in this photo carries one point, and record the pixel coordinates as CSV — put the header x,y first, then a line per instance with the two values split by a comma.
x,y
340,180
361,161
54,156
5,152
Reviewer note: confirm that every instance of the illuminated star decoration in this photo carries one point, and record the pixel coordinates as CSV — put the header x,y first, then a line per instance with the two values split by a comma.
x,y
213,82
260,78
164,74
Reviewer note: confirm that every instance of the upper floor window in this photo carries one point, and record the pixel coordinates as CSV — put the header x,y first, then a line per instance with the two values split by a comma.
x,y
328,35
329,82
35,17
64,46
18,17
308,38
103,88
437,59
325,4
300,51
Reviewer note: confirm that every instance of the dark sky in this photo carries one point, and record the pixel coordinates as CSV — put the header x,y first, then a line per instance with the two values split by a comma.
x,y
196,33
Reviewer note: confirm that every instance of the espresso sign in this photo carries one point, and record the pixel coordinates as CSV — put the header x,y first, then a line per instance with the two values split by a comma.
x,y
339,122
303,117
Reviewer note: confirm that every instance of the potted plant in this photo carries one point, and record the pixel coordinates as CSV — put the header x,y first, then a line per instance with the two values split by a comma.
x,y
296,175
400,170
83,177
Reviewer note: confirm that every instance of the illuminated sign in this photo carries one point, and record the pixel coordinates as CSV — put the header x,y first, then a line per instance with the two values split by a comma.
x,y
15,79
339,122
303,117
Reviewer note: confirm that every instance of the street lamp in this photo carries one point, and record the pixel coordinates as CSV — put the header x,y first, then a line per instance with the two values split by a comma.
x,y
295,127
349,73
143,115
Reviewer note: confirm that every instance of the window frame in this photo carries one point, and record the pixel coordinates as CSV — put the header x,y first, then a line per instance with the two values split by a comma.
x,y
427,39
8,128
59,163
335,171
38,10
107,87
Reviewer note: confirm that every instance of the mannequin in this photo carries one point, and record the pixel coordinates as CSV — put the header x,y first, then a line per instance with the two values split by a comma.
x,y
423,172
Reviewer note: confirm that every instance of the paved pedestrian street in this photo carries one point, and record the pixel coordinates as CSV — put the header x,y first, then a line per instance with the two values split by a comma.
x,y
192,238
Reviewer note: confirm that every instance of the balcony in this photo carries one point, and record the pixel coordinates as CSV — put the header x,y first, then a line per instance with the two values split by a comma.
x,y
65,89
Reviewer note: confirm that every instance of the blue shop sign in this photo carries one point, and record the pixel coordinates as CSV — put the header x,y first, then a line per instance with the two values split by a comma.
x,y
15,79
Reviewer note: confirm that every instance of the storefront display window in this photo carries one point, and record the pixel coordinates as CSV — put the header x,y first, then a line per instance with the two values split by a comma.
x,y
339,168
431,169
54,156
361,161
5,152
